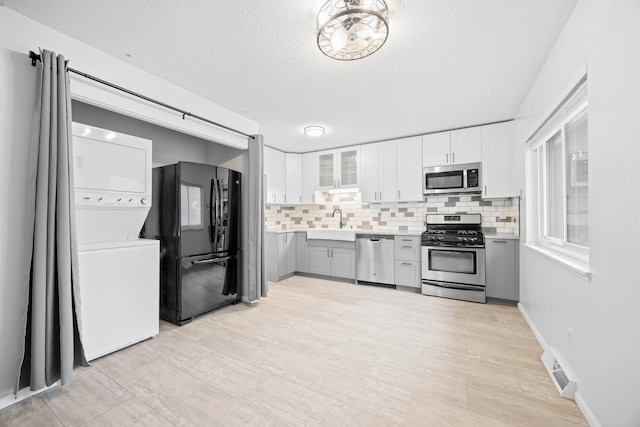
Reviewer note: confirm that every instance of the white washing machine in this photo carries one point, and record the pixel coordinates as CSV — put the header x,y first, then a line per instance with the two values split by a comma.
x,y
118,272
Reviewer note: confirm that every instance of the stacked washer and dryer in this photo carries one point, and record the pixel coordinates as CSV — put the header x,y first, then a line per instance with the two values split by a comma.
x,y
118,271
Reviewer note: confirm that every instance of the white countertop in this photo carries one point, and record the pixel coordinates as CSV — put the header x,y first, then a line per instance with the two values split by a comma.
x,y
502,236
361,232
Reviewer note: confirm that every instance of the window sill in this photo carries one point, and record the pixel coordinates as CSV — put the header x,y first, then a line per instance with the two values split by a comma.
x,y
580,268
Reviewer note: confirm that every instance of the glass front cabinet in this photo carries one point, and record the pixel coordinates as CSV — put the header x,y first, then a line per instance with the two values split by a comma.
x,y
338,168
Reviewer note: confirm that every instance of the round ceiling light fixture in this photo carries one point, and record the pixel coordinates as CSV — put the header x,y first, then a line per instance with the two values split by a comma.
x,y
314,130
352,29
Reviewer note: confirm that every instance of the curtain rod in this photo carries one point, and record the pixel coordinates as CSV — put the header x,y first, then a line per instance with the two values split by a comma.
x,y
35,57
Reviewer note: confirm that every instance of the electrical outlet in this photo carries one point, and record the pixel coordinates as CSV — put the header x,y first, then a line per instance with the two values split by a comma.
x,y
570,338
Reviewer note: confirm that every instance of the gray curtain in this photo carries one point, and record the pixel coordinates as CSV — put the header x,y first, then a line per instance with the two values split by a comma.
x,y
51,346
257,280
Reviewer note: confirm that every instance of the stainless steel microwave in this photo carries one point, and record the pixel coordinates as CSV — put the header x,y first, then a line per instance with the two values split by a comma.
x,y
462,178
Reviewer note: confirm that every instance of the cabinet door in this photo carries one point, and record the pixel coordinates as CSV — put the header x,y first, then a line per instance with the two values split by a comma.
x,y
369,154
308,178
436,148
408,273
496,160
269,174
272,251
387,169
280,177
407,248
466,145
319,261
302,253
502,280
325,163
290,253
293,178
343,263
409,169
347,168
282,254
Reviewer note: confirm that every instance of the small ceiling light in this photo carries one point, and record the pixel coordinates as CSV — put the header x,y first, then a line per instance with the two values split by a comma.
x,y
352,29
314,131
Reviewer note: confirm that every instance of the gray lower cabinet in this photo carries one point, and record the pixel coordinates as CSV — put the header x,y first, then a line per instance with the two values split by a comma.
x,y
332,258
502,271
280,255
302,253
407,262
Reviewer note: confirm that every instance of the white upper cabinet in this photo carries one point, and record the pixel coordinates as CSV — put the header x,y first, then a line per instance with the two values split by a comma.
x,y
274,170
409,169
454,147
496,172
379,177
293,175
338,168
392,170
436,149
309,178
466,145
369,158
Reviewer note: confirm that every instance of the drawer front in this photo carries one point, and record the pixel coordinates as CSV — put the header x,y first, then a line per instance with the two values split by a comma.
x,y
407,248
408,274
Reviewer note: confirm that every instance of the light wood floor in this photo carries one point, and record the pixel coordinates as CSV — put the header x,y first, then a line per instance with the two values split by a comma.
x,y
320,353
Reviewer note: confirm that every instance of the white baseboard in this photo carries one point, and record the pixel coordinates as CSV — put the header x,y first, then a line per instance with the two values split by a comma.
x,y
586,411
23,394
582,404
533,328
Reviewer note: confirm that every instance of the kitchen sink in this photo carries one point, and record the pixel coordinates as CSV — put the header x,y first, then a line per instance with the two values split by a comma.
x,y
344,234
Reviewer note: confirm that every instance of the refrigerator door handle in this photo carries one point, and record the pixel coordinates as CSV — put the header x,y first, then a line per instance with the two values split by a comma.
x,y
219,215
212,220
212,260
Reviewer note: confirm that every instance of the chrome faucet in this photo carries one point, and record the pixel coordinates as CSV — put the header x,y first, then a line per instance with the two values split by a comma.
x,y
334,214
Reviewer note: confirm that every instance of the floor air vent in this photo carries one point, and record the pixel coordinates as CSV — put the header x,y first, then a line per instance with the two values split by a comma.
x,y
559,373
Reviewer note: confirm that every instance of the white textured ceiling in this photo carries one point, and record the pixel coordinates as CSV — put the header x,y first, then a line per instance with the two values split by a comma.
x,y
446,63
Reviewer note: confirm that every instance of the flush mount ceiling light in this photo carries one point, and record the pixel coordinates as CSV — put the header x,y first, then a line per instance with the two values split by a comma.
x,y
352,29
314,131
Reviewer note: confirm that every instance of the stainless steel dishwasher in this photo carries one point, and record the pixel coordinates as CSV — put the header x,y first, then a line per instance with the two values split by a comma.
x,y
375,259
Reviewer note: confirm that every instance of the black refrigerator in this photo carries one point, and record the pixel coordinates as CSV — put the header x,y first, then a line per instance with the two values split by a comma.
x,y
196,214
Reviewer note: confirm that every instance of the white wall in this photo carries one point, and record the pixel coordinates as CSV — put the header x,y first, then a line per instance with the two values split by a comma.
x,y
17,101
603,37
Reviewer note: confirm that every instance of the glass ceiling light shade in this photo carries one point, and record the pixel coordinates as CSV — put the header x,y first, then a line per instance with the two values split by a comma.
x,y
314,131
352,29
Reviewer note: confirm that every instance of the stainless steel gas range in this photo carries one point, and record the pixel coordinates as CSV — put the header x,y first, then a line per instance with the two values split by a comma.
x,y
453,257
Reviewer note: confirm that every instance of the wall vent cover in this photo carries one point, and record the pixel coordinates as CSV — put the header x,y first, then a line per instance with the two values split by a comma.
x,y
559,372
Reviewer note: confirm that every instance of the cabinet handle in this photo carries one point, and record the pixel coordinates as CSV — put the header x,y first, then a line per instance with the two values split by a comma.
x,y
398,194
406,263
375,195
453,157
407,247
301,198
313,198
285,198
499,241
485,190
328,252
447,158
406,240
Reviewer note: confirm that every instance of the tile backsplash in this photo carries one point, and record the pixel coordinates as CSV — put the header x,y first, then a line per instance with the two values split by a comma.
x,y
498,215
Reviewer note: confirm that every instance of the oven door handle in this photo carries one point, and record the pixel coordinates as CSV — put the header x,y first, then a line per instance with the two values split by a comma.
x,y
455,286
